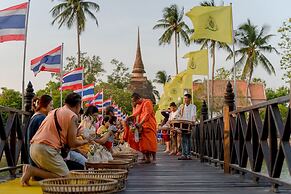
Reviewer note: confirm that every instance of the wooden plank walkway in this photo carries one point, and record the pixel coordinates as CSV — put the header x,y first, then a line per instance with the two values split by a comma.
x,y
170,175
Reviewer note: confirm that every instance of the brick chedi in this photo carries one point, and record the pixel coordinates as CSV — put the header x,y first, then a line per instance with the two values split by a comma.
x,y
139,82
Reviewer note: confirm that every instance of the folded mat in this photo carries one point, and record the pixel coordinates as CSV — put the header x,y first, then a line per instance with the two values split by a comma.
x,y
14,187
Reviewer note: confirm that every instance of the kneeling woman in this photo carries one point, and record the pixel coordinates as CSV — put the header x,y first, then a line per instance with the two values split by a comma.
x,y
58,129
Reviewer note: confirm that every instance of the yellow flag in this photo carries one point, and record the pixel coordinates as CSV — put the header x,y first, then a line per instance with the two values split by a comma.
x,y
213,23
187,82
198,62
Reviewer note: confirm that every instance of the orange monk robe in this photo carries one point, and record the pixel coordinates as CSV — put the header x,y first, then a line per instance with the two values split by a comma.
x,y
128,136
145,111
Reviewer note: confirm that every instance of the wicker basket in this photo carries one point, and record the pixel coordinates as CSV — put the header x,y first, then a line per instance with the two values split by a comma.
x,y
78,185
118,174
134,157
114,164
131,162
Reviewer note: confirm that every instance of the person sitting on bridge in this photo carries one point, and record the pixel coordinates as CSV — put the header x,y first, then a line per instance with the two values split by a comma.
x,y
59,128
187,111
41,106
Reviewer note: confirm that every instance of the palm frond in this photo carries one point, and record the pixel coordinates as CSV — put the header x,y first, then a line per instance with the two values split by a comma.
x,y
163,26
267,65
166,37
253,42
185,37
207,3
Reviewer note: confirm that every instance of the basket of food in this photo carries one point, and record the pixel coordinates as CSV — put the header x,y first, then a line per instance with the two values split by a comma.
x,y
130,160
121,156
114,164
118,174
124,149
78,185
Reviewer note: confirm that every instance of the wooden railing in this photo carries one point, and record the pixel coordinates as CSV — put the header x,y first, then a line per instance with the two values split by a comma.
x,y
13,125
246,139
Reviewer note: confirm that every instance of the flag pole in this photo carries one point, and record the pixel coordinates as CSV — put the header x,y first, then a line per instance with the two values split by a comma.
x,y
234,67
102,102
51,88
192,92
208,100
61,73
24,54
82,87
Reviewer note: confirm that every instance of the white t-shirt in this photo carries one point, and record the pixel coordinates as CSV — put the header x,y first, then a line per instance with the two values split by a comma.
x,y
187,112
174,115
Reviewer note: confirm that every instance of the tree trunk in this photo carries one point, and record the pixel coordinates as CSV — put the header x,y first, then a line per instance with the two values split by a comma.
x,y
212,77
176,54
248,90
79,50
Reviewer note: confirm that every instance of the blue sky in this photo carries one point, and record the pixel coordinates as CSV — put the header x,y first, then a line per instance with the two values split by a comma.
x,y
116,36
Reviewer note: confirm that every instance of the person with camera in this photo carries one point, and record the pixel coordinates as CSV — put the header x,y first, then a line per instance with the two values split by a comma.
x,y
50,144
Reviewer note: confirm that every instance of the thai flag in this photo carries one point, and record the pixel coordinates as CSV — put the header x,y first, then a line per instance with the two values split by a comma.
x,y
50,61
88,92
119,113
13,23
73,79
107,102
115,110
98,100
123,116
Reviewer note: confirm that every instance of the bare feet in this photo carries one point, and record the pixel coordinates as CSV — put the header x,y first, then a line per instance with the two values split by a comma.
x,y
166,151
26,174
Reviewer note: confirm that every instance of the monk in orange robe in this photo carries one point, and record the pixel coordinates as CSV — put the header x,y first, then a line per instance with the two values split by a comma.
x,y
147,126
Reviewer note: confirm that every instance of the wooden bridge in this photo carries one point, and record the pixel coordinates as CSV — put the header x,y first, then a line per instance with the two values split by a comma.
x,y
230,151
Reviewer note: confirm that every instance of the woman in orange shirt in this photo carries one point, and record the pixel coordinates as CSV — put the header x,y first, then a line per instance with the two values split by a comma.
x,y
49,139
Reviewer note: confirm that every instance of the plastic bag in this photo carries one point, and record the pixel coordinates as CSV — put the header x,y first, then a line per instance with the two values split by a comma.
x,y
136,136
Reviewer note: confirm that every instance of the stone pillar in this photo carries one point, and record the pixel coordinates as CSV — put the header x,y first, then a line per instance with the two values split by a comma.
x,y
29,94
228,107
203,117
229,97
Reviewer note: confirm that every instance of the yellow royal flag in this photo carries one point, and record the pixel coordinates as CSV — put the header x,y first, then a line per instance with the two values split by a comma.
x,y
173,90
198,62
213,23
187,82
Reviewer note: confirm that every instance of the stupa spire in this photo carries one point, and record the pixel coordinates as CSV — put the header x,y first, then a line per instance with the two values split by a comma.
x,y
138,67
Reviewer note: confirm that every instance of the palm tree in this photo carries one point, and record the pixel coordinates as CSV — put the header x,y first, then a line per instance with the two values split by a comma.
x,y
212,45
253,42
173,24
155,92
73,12
162,77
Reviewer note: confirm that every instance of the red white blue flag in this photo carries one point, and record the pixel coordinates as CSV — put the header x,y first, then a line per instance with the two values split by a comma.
x,y
98,99
50,61
107,102
88,92
13,23
73,79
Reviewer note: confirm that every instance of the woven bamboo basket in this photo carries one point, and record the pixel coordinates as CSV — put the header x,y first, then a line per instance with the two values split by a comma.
x,y
118,174
130,160
114,164
78,185
132,156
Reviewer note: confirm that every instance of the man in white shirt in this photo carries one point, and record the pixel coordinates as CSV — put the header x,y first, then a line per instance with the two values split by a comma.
x,y
187,111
